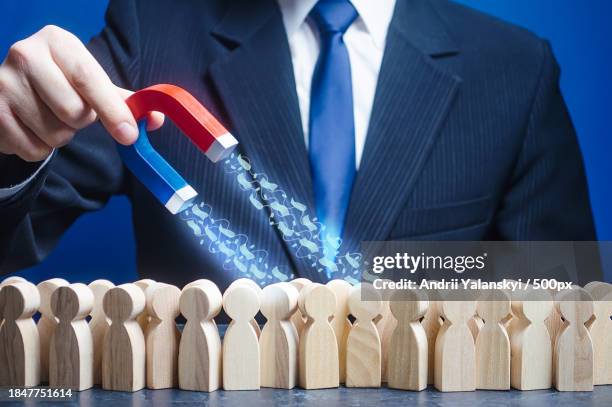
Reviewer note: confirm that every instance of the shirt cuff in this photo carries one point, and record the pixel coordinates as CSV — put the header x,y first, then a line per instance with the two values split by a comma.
x,y
6,193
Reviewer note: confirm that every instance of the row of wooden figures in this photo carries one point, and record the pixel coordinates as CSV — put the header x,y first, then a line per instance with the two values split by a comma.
x,y
517,339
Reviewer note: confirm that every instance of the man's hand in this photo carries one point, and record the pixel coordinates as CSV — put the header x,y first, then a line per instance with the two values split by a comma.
x,y
50,87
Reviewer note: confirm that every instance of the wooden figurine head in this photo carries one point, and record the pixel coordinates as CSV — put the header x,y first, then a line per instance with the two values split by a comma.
x,y
408,305
493,305
201,302
575,305
279,301
123,302
317,302
19,300
241,302
72,302
163,301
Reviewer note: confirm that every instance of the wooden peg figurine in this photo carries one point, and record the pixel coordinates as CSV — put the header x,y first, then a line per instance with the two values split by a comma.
x,y
531,347
163,337
408,350
278,343
455,357
600,329
200,347
241,359
257,289
340,322
98,325
19,341
144,318
123,357
431,322
385,324
71,345
554,323
318,348
299,320
363,346
573,356
47,322
493,343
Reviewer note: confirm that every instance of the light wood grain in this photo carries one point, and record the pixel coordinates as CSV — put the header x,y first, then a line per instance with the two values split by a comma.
x,y
363,346
385,325
432,322
573,356
600,329
162,337
531,347
19,340
408,350
340,322
200,358
279,339
257,289
318,348
299,320
71,346
241,358
455,356
144,318
123,357
475,324
46,323
493,343
98,325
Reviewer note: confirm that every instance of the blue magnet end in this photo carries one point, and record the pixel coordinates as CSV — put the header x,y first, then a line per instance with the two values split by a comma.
x,y
156,174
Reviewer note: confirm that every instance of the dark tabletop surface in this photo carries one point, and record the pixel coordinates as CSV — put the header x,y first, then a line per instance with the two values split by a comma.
x,y
602,396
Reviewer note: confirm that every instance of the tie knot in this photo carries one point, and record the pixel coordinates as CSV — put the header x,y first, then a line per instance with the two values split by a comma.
x,y
333,16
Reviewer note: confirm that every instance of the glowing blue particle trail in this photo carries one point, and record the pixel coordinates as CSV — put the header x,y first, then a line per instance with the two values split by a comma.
x,y
233,249
307,236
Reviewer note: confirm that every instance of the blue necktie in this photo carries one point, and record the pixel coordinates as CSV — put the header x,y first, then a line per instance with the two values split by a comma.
x,y
332,127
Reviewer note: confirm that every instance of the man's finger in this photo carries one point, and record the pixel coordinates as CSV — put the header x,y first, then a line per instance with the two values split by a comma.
x,y
91,82
154,119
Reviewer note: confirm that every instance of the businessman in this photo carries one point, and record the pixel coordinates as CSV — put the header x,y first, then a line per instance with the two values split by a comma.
x,y
391,119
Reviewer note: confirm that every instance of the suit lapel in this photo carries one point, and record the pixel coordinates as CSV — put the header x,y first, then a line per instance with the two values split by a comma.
x,y
255,81
412,99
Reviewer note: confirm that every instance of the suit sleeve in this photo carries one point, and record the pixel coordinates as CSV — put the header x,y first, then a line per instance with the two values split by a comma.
x,y
81,176
548,197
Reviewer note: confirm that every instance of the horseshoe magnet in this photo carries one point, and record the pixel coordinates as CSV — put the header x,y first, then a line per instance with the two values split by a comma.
x,y
197,123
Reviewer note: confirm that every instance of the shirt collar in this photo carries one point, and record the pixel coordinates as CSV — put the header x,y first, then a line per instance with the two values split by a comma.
x,y
376,16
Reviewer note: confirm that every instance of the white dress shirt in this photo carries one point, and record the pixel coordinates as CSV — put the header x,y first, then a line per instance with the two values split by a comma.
x,y
365,40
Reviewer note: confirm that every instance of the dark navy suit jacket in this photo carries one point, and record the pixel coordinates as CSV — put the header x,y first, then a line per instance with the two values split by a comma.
x,y
469,136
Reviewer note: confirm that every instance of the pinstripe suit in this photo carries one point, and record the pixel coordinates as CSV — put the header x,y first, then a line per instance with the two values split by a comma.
x,y
469,137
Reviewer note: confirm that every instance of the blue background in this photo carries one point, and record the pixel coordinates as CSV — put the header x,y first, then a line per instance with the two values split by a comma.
x,y
101,245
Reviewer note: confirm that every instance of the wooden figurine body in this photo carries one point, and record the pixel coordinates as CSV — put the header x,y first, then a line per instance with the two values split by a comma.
x,y
385,325
299,320
493,343
573,356
600,329
163,337
408,350
200,347
318,348
123,357
19,340
363,346
455,357
340,322
71,346
47,322
257,289
531,347
98,325
279,339
431,322
241,359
